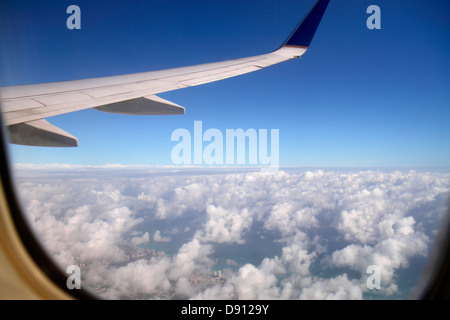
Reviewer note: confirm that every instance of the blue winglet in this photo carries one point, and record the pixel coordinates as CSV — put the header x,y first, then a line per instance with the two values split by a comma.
x,y
303,34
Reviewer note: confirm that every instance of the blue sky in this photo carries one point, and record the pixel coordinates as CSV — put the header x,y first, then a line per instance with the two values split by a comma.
x,y
357,98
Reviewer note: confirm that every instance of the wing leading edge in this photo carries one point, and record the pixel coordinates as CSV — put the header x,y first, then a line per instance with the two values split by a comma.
x,y
25,107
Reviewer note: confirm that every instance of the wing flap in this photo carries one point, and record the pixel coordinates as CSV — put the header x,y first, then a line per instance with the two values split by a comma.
x,y
150,105
219,76
67,97
39,112
20,104
40,133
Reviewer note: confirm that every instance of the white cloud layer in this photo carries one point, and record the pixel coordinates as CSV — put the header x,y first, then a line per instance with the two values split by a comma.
x,y
329,226
225,226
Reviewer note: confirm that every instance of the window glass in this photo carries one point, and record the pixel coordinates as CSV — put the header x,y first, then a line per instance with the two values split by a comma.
x,y
320,178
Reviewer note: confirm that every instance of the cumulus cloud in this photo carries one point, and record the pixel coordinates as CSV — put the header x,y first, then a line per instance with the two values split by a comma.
x,y
141,240
289,235
390,254
225,226
137,279
250,283
192,255
144,278
336,288
158,238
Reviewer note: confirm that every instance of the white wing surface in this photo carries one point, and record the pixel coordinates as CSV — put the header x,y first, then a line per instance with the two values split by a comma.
x,y
25,107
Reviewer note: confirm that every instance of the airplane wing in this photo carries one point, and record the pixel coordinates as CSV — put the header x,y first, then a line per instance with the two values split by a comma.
x,y
25,107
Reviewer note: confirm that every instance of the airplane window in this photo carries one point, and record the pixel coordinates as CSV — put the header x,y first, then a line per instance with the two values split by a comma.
x,y
144,177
